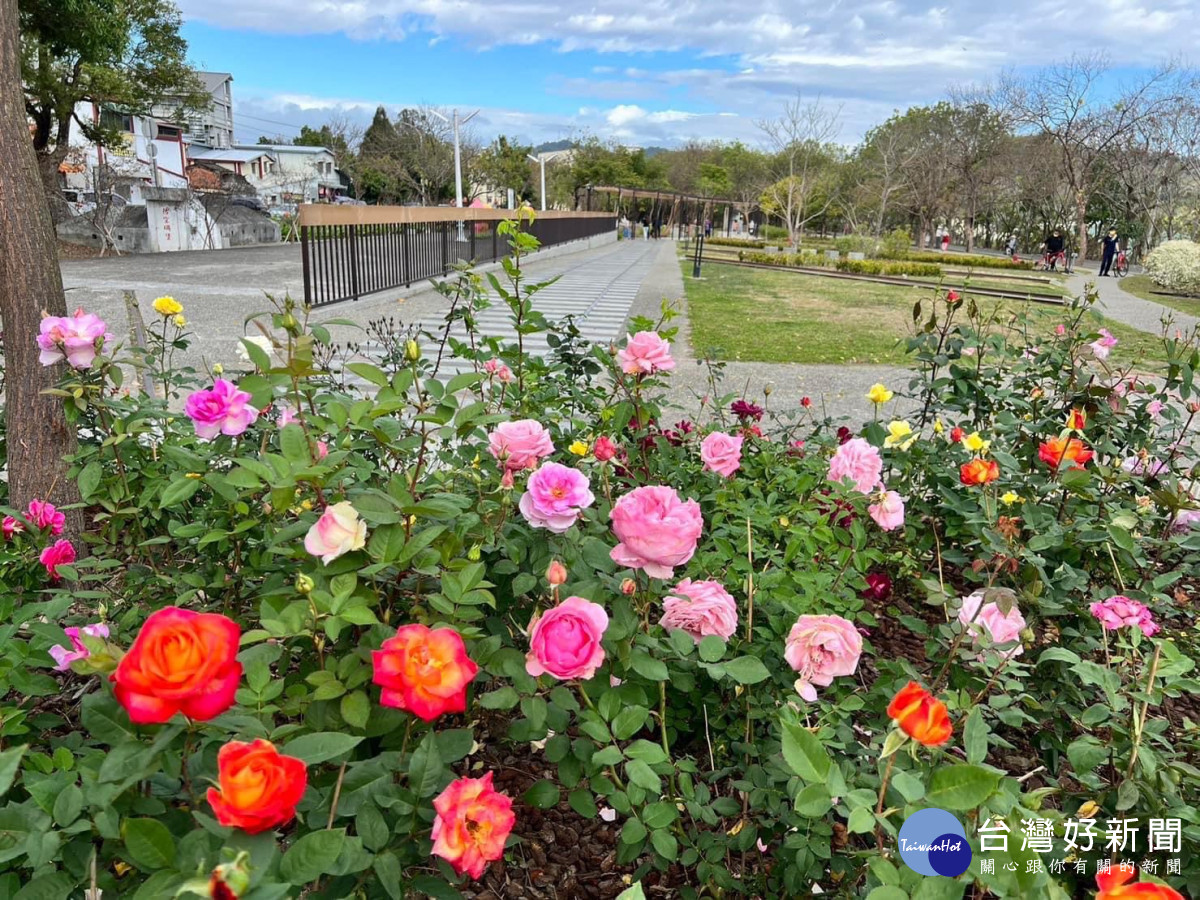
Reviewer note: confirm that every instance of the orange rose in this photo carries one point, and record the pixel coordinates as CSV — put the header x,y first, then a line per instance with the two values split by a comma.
x,y
424,671
1077,419
1055,450
259,786
1112,885
473,822
920,716
979,471
181,661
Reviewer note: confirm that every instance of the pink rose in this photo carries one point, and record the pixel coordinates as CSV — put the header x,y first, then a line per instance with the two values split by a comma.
x,y
644,354
322,450
77,339
60,553
565,641
604,449
287,416
1000,628
700,608
64,657
554,497
520,444
1120,611
338,531
860,462
499,370
1154,408
888,513
1103,344
1060,329
222,410
10,527
657,531
820,648
722,453
1185,520
44,515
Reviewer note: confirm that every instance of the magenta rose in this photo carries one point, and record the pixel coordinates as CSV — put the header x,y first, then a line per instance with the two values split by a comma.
x,y
657,531
77,339
860,462
1122,612
999,627
722,453
10,527
45,515
644,354
888,513
879,586
520,444
60,553
820,648
64,657
700,608
565,641
222,410
554,497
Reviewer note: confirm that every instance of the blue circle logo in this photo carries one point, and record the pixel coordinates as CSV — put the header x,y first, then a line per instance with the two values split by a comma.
x,y
933,842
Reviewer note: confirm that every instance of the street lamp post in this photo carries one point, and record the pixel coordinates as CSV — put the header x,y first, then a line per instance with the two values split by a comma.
x,y
458,190
542,160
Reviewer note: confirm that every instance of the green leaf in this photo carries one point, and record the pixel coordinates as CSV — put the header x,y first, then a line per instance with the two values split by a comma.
x,y
437,888
648,667
609,756
504,698
861,820
887,892
629,722
582,801
975,736
746,670
426,767
312,856
712,648
665,844
804,754
10,763
659,815
814,801
643,776
633,832
294,445
68,805
543,795
89,479
54,886
149,844
632,893
356,709
178,491
391,876
960,787
320,747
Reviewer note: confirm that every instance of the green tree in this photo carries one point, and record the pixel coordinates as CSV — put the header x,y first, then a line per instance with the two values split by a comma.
x,y
124,54
505,164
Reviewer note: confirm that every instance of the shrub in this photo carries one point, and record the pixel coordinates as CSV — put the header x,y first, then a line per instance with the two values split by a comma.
x,y
398,613
965,260
785,259
855,243
735,242
887,267
896,243
774,233
1175,266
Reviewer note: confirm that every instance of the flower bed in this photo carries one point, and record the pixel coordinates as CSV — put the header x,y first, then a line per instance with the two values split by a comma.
x,y
315,632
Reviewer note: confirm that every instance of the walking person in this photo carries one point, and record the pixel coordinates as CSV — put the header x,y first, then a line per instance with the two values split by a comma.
x,y
1112,246
645,229
1010,246
946,240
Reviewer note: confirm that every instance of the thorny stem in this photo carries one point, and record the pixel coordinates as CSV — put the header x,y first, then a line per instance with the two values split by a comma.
x,y
1139,723
887,774
337,794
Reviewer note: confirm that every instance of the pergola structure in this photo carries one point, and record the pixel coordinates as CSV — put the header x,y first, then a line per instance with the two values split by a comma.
x,y
668,208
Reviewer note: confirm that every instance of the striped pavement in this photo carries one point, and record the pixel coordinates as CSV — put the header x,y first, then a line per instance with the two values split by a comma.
x,y
598,290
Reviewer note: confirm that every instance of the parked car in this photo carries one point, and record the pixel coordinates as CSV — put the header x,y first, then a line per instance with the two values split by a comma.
x,y
84,202
249,201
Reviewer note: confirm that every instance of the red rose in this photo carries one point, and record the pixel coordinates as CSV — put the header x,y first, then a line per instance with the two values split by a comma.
x,y
259,786
979,471
181,661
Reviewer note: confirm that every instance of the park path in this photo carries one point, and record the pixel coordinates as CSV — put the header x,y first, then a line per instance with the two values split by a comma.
x,y
1126,308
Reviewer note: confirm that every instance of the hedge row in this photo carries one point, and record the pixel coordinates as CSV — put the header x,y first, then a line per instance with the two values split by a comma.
x,y
736,242
967,260
888,267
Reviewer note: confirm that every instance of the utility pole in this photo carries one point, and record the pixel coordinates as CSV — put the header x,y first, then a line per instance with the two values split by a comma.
x,y
456,122
542,160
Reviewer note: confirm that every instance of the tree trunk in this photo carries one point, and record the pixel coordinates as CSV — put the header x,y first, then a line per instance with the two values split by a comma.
x,y
38,434
1081,206
48,163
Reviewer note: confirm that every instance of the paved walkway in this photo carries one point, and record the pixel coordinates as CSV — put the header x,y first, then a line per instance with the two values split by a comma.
x,y
1126,308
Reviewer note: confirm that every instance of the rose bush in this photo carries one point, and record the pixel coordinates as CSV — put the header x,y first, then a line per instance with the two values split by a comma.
x,y
319,667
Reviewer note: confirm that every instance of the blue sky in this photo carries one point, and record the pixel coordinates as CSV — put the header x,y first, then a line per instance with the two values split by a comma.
x,y
645,71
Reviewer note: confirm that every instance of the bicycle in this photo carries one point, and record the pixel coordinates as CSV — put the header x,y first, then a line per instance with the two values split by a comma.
x,y
1051,260
1122,264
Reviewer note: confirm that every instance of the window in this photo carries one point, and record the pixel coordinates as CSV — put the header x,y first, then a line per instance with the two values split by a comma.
x,y
112,120
167,132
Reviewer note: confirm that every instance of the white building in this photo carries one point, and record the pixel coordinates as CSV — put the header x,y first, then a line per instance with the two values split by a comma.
x,y
147,152
293,174
212,127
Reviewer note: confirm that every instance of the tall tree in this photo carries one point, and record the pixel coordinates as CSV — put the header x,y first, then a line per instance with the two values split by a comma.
x,y
123,54
976,136
504,163
38,435
1070,104
801,138
926,171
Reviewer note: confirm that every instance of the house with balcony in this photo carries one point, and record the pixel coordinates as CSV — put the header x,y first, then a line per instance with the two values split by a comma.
x,y
294,174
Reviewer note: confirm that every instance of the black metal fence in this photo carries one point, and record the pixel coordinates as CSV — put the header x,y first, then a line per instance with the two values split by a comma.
x,y
350,252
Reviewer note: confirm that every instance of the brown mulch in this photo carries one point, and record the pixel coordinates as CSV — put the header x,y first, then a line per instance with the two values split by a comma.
x,y
78,251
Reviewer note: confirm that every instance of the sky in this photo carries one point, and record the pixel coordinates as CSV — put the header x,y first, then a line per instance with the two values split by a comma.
x,y
648,72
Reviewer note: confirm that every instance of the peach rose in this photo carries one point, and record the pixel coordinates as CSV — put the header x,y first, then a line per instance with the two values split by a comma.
x,y
338,531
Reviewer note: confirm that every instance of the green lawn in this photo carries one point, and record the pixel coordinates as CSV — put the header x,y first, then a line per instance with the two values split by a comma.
x,y
1143,286
758,315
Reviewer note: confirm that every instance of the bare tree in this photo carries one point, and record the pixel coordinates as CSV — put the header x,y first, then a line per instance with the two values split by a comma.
x,y
39,437
800,138
1066,103
977,135
885,154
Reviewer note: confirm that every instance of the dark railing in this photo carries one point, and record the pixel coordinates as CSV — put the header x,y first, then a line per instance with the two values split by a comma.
x,y
352,251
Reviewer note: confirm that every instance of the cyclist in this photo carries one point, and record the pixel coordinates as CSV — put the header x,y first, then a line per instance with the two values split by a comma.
x,y
1112,245
1054,248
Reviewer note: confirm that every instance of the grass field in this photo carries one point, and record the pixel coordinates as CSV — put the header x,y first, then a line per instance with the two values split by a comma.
x,y
1143,286
759,315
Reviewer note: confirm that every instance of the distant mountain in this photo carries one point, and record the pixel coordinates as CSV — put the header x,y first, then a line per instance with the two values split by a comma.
x,y
654,151
551,146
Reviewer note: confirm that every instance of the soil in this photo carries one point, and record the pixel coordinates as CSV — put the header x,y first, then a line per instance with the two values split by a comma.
x,y
78,251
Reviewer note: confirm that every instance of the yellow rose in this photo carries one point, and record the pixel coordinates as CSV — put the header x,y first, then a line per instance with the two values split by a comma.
x,y
217,368
168,306
878,394
900,434
579,448
975,443
179,321
938,427
1009,498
